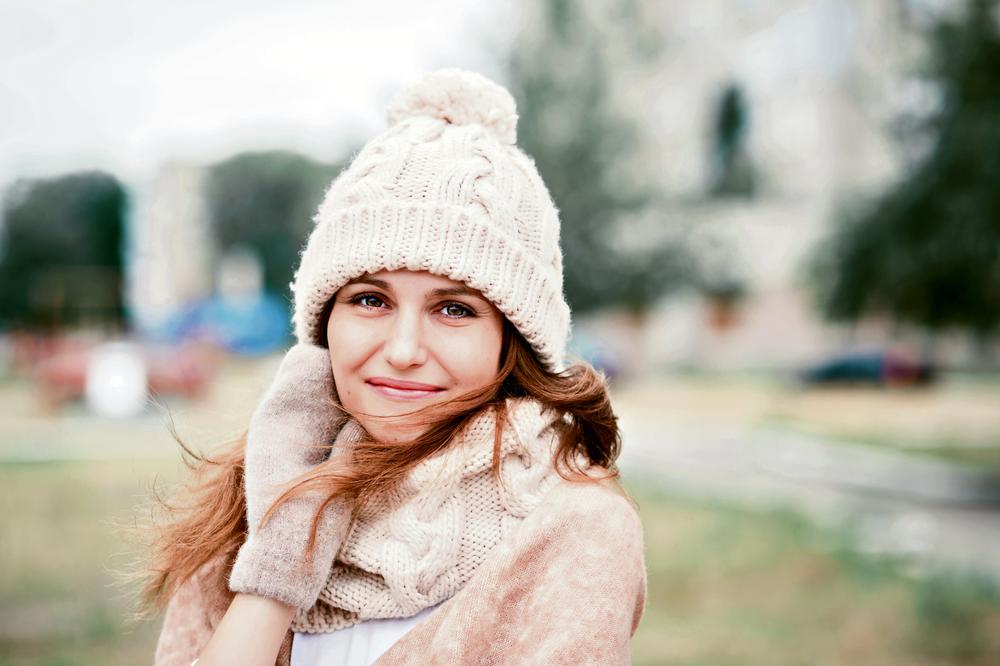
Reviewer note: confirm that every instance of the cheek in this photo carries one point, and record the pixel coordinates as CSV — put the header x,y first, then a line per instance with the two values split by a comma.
x,y
348,349
346,339
474,359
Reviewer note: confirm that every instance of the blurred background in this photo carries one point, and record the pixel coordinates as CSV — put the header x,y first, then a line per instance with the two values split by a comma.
x,y
781,228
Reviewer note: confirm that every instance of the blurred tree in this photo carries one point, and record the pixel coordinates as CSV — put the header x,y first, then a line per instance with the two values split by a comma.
x,y
61,252
585,147
927,252
265,201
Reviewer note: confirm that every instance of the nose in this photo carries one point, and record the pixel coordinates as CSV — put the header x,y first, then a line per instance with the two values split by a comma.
x,y
404,345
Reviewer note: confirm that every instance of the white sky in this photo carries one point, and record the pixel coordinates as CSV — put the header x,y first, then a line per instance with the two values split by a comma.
x,y
126,85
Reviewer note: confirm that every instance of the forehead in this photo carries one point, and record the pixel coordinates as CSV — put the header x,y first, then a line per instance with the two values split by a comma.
x,y
422,280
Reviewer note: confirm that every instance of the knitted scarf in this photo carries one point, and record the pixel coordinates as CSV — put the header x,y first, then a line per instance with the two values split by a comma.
x,y
421,543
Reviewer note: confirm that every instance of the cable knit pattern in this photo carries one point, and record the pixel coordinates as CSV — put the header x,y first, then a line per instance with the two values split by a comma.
x,y
419,545
444,190
407,550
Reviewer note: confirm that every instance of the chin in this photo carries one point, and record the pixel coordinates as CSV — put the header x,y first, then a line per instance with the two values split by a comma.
x,y
391,433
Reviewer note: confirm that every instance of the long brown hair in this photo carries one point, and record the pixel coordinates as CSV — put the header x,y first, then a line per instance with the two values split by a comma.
x,y
207,519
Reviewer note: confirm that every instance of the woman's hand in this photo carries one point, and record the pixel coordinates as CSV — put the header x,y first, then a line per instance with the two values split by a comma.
x,y
290,433
250,633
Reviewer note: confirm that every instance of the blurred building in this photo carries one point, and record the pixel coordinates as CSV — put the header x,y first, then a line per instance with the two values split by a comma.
x,y
763,118
171,255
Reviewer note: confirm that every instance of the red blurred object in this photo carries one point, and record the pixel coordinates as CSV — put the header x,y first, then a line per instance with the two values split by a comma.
x,y
901,367
62,376
59,367
182,370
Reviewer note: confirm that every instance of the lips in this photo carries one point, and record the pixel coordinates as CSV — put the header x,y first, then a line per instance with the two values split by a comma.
x,y
398,388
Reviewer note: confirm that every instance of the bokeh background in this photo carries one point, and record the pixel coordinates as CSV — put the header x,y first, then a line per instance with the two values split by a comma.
x,y
781,227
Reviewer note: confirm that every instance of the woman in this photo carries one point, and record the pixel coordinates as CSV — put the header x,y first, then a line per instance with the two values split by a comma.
x,y
424,481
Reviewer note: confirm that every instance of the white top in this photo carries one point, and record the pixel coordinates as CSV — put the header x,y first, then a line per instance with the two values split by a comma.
x,y
357,645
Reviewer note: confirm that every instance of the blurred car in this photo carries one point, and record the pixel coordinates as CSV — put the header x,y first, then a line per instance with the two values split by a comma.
x,y
896,367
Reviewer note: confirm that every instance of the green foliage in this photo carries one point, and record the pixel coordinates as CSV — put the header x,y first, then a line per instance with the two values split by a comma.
x,y
61,247
561,77
266,201
953,615
927,252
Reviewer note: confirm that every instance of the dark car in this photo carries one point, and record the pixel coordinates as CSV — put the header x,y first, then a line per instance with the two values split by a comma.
x,y
885,367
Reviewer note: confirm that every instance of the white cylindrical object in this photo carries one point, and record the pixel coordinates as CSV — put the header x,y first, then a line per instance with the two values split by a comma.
x,y
116,380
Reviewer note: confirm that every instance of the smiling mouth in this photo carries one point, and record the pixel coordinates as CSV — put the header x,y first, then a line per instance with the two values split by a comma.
x,y
394,388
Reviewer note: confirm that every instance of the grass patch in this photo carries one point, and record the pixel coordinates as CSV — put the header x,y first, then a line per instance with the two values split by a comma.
x,y
729,585
956,619
60,547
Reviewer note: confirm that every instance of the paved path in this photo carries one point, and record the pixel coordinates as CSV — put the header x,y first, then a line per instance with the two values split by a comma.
x,y
935,512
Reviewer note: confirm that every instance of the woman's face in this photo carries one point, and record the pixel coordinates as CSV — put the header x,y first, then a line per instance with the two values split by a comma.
x,y
400,340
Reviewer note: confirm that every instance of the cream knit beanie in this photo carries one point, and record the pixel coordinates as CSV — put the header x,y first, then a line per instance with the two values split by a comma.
x,y
444,189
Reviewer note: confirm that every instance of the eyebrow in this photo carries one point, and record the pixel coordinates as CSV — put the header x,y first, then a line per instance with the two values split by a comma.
x,y
364,279
459,290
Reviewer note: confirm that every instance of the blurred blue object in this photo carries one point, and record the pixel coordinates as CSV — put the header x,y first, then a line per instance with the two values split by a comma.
x,y
884,367
597,353
245,326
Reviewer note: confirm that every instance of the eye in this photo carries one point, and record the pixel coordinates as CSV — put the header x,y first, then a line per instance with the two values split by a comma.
x,y
456,311
370,301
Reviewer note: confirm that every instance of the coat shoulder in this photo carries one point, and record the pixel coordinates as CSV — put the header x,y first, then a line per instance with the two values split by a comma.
x,y
589,514
586,540
602,502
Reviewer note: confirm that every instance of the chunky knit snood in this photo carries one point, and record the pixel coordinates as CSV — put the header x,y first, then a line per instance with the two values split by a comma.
x,y
420,544
406,550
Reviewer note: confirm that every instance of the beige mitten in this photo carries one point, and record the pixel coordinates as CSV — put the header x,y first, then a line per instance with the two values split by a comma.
x,y
287,436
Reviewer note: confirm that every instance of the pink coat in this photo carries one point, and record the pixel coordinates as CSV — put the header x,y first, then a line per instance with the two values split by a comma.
x,y
568,588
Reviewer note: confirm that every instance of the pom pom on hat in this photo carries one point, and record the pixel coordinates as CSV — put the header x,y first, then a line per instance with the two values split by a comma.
x,y
460,98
